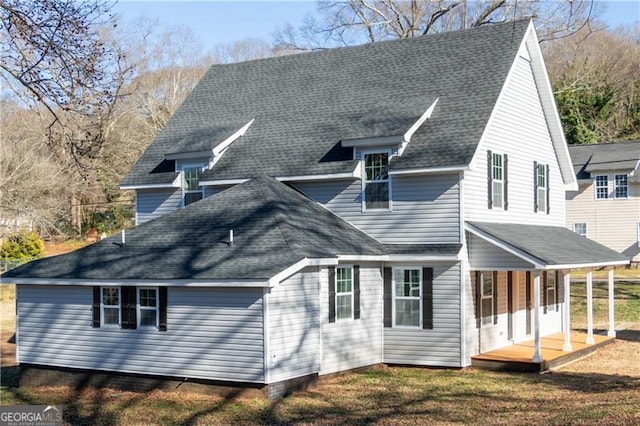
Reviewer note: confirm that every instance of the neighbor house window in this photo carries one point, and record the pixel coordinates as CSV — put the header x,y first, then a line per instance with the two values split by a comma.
x,y
541,187
621,186
344,293
602,187
580,228
407,294
147,307
486,297
191,189
376,180
110,305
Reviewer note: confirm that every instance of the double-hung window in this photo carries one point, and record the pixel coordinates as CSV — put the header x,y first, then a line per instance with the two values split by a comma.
x,y
110,305
344,293
376,180
191,189
486,297
621,186
602,187
497,176
550,290
407,295
147,307
580,228
541,187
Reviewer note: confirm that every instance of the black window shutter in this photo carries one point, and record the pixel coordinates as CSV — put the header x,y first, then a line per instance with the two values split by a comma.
x,y
495,297
535,186
505,181
544,290
548,189
162,304
96,306
478,299
387,298
332,294
557,290
356,292
490,179
129,311
427,298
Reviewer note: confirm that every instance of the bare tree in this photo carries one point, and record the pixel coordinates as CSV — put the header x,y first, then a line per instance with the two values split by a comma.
x,y
349,22
54,57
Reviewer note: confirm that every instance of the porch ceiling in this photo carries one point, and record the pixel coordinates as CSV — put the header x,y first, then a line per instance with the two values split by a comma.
x,y
546,247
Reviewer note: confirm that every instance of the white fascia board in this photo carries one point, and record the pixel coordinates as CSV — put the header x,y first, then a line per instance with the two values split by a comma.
x,y
174,184
547,98
228,141
222,182
587,265
301,264
149,283
399,258
374,141
537,263
409,133
430,170
355,174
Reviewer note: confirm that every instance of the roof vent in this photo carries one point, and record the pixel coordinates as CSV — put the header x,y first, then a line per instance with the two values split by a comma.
x,y
229,241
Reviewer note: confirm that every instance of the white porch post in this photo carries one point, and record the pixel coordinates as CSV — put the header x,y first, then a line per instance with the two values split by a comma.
x,y
567,347
612,326
590,340
537,352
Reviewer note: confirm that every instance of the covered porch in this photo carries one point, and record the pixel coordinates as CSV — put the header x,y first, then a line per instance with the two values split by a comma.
x,y
519,356
546,255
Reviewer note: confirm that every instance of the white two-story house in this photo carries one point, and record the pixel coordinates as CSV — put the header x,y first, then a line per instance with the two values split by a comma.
x,y
401,202
606,206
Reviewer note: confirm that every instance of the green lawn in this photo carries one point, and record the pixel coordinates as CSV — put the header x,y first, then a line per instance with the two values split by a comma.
x,y
627,303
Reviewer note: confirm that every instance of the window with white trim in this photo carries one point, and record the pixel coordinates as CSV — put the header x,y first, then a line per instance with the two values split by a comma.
x,y
486,297
621,186
407,288
602,187
541,187
497,182
344,293
580,228
376,180
110,305
550,288
147,307
191,189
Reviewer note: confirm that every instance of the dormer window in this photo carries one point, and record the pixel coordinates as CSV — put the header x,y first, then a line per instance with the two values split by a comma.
x,y
376,180
191,189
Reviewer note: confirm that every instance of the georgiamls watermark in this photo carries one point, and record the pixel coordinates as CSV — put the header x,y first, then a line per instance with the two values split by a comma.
x,y
30,415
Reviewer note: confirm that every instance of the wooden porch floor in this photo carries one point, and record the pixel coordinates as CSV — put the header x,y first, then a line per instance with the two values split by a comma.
x,y
518,357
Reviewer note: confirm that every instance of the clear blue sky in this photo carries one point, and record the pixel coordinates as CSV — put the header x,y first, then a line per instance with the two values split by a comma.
x,y
220,22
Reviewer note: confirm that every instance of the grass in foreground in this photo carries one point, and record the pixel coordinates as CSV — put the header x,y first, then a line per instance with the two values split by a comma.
x,y
627,303
379,395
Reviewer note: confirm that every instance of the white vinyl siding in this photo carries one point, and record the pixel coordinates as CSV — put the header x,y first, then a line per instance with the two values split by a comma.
x,y
153,203
211,334
425,208
354,343
518,128
441,345
294,329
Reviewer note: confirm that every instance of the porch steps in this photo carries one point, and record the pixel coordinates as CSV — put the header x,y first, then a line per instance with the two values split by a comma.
x,y
518,357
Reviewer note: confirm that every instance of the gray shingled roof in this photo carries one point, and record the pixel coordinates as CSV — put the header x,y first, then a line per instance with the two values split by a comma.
x,y
551,245
274,227
305,104
621,156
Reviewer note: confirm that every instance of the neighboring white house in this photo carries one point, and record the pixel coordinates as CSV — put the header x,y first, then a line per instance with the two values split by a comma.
x,y
400,202
606,207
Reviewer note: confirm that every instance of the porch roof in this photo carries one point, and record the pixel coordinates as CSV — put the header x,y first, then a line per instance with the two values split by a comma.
x,y
546,247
